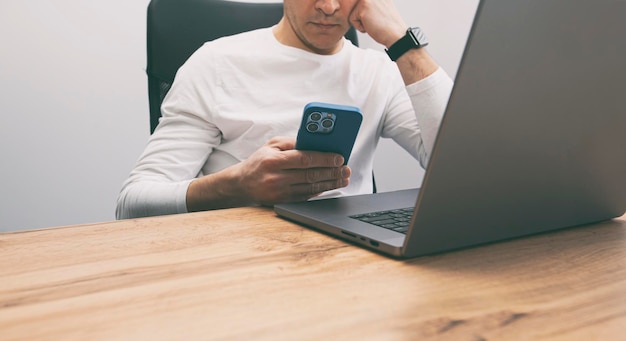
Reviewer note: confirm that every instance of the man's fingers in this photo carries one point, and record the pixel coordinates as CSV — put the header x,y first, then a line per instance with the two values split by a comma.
x,y
313,175
282,143
298,159
310,190
303,191
355,21
304,184
278,173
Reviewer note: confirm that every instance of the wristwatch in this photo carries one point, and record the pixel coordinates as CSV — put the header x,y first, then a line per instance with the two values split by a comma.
x,y
413,39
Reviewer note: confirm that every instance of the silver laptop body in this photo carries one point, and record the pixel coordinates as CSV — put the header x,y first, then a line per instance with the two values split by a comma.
x,y
533,138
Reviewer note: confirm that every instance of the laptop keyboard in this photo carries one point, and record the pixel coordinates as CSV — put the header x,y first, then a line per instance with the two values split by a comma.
x,y
396,220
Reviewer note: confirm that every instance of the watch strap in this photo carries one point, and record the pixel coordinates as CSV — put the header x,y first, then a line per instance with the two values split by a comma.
x,y
413,39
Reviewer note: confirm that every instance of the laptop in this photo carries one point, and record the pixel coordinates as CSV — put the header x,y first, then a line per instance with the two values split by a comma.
x,y
533,138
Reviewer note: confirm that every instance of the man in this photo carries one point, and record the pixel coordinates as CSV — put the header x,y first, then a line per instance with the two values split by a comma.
x,y
229,121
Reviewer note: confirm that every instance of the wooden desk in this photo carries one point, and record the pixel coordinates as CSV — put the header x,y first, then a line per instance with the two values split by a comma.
x,y
246,274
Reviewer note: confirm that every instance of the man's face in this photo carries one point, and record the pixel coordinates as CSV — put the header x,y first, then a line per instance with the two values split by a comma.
x,y
318,25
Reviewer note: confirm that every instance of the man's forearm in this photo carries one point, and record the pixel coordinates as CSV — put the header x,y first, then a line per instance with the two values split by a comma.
x,y
415,65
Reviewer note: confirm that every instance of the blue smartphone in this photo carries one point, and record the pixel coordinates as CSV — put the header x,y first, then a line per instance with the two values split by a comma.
x,y
329,127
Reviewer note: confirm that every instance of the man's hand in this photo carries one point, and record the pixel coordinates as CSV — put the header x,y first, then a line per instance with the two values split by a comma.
x,y
279,173
381,20
275,173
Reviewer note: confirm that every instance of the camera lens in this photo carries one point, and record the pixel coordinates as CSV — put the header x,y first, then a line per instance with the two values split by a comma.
x,y
327,123
312,127
315,116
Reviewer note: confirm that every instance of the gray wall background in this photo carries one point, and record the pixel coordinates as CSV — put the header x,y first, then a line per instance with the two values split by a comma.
x,y
73,95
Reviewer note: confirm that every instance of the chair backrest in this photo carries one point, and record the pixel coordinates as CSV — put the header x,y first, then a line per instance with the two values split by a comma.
x,y
176,28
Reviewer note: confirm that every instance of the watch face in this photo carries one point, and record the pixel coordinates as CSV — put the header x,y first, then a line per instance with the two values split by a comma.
x,y
418,36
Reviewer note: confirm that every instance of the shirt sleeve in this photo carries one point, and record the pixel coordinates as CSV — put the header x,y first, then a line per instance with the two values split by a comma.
x,y
176,151
415,112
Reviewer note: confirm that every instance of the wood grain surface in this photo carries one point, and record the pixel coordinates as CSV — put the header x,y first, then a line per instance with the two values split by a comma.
x,y
246,274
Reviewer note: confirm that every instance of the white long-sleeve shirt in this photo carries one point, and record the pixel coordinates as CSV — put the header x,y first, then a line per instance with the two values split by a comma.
x,y
235,93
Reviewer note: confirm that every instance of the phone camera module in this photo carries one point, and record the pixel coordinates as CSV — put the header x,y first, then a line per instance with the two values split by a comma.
x,y
320,122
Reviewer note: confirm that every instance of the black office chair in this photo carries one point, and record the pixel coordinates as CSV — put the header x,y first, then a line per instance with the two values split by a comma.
x,y
176,28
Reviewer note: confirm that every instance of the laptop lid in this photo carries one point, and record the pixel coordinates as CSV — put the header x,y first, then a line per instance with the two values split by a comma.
x,y
532,139
534,136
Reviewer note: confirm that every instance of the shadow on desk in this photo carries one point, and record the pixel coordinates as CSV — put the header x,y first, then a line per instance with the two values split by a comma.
x,y
578,243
